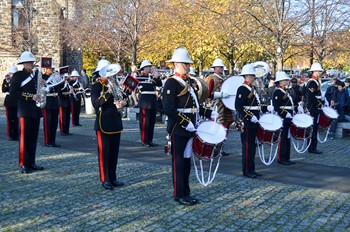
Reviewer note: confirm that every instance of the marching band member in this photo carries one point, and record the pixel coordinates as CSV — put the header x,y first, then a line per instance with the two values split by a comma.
x,y
180,104
24,85
75,98
50,111
247,105
283,105
108,127
313,102
148,103
214,82
64,93
11,104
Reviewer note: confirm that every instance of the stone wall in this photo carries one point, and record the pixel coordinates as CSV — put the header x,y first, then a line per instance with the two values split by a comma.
x,y
47,21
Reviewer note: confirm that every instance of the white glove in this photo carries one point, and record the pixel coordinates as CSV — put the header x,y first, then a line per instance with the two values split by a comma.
x,y
289,115
254,119
190,127
270,108
218,95
300,109
214,115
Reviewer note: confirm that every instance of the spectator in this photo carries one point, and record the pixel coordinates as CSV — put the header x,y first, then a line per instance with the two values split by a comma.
x,y
341,100
295,91
84,79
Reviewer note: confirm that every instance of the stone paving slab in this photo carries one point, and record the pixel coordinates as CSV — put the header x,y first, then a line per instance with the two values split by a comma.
x,y
67,195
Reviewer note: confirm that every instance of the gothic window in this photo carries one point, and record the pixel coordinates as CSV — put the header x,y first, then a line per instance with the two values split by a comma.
x,y
18,13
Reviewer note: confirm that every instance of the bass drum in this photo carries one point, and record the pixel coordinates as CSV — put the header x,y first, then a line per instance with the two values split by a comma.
x,y
230,86
202,89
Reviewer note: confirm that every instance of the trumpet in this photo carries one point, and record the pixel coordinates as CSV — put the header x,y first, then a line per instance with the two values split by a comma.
x,y
162,73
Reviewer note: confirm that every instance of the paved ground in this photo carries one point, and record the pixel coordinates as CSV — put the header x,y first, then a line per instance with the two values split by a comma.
x,y
313,195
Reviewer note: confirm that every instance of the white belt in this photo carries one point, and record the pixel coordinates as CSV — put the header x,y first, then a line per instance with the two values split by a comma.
x,y
319,97
286,107
187,110
148,92
52,94
252,107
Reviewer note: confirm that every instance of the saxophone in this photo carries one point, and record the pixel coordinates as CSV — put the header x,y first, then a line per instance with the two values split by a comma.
x,y
40,89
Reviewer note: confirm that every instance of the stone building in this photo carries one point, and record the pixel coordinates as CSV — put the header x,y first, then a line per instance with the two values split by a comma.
x,y
35,25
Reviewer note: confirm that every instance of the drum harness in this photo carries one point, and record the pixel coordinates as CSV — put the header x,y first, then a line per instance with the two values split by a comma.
x,y
201,178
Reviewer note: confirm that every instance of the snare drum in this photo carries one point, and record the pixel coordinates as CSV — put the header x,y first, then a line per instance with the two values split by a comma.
x,y
269,128
301,127
208,141
327,116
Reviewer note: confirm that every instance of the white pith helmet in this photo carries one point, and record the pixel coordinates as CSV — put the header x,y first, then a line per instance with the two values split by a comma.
x,y
280,76
192,72
248,69
26,57
316,67
12,69
218,63
181,55
102,63
75,74
145,63
110,70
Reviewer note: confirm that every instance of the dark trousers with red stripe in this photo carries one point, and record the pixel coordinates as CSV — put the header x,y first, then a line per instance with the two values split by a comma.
x,y
50,126
248,139
181,167
283,152
108,150
147,122
29,131
76,107
12,122
313,144
64,119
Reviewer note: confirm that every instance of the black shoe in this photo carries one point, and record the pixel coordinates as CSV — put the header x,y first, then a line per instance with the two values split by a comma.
x,y
107,185
284,162
184,201
151,144
34,167
145,145
250,175
24,169
290,162
66,134
13,139
77,125
257,173
315,151
193,200
55,145
225,153
115,183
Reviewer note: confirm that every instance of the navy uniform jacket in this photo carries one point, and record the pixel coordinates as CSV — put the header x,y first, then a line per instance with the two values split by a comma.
x,y
176,96
148,101
281,99
313,96
108,118
76,87
246,97
26,105
51,101
63,94
11,100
